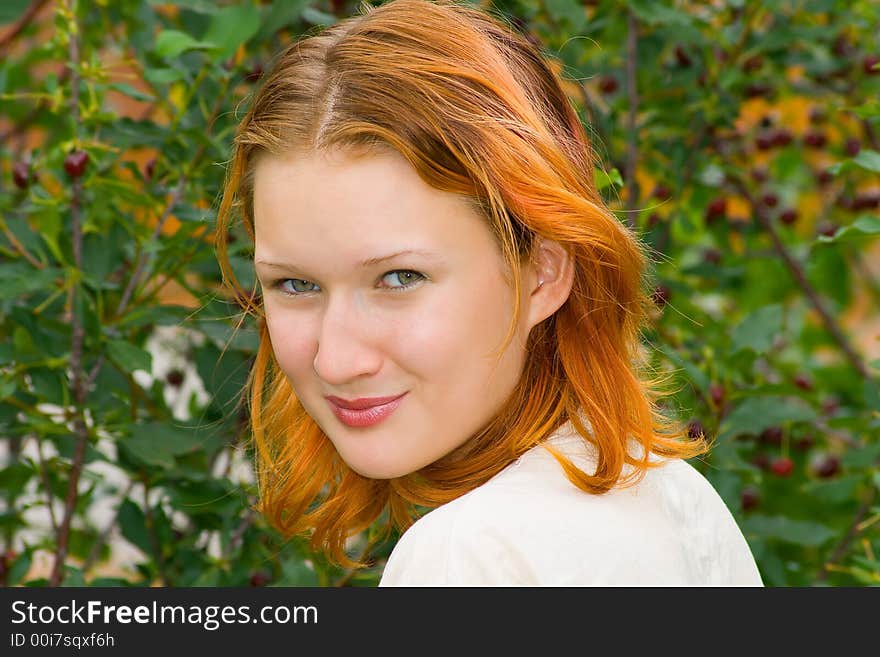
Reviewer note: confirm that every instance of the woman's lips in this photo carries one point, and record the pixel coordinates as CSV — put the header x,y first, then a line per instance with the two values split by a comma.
x,y
366,412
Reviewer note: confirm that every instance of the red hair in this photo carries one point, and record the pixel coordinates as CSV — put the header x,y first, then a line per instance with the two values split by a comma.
x,y
477,111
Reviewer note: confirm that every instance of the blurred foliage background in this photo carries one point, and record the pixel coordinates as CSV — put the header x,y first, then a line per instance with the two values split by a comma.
x,y
738,139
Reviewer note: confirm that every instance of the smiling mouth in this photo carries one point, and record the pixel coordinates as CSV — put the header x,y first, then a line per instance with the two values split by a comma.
x,y
371,411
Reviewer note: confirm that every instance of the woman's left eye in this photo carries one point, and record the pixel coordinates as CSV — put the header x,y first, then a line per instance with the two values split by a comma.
x,y
405,277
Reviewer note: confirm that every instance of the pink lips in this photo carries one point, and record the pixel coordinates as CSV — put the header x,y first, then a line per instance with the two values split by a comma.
x,y
364,411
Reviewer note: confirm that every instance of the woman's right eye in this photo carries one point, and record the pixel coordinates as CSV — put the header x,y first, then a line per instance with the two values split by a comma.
x,y
294,286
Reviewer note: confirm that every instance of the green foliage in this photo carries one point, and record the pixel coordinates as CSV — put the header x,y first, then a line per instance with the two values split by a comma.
x,y
755,189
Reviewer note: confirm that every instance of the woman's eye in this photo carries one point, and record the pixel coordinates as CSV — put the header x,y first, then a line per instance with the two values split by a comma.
x,y
404,277
295,286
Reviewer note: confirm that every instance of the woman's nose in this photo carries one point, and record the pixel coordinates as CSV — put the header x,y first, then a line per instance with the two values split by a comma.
x,y
347,344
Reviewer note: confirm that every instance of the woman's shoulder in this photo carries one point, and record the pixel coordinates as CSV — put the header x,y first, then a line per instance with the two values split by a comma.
x,y
531,525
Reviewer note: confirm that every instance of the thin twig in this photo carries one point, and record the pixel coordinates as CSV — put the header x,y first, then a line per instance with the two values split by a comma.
x,y
44,477
840,550
154,539
77,330
800,278
632,153
104,536
18,246
19,25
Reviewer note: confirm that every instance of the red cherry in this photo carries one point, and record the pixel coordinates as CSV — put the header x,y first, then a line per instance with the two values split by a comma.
x,y
75,163
662,192
817,114
260,578
21,174
761,461
759,174
782,137
866,200
770,200
661,295
805,442
826,228
772,436
174,377
869,64
753,63
824,177
827,467
765,142
757,90
653,219
788,216
608,84
803,382
830,405
712,255
852,146
749,498
716,209
682,57
695,429
815,139
782,466
716,392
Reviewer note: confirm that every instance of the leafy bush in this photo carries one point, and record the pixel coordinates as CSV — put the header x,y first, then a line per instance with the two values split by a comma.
x,y
739,140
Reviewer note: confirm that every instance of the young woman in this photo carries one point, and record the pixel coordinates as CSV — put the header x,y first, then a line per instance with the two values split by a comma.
x,y
450,319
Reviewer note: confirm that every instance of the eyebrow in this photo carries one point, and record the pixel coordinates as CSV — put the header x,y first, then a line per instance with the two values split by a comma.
x,y
369,262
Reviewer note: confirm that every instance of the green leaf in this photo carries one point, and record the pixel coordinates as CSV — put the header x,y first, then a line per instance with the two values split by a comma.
x,y
569,12
318,17
864,226
232,26
162,76
655,13
171,43
604,179
10,10
835,491
757,330
279,16
868,159
14,476
131,92
19,568
129,357
799,532
200,6
755,414
18,278
157,443
133,524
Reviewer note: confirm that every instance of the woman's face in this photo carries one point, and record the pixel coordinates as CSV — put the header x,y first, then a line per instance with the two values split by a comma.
x,y
377,285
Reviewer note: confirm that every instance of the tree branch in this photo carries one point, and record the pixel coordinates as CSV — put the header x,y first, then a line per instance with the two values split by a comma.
x,y
841,548
19,25
80,430
800,278
632,152
105,534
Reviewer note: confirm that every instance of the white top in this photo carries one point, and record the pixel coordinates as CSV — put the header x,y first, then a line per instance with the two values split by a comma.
x,y
530,526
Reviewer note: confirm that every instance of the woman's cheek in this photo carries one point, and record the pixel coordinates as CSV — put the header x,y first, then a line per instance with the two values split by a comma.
x,y
292,341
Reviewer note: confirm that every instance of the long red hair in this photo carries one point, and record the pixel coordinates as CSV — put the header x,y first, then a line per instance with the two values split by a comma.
x,y
477,111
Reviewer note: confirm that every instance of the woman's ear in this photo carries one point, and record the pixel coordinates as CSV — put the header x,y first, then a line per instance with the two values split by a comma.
x,y
550,276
